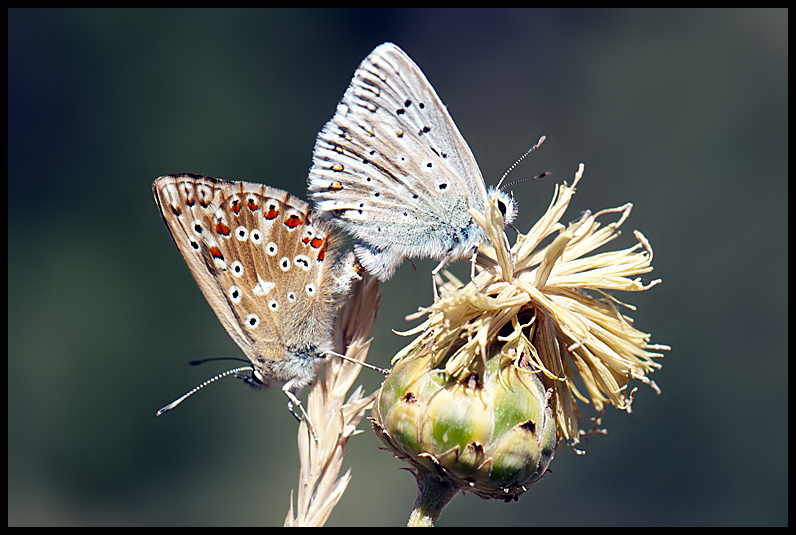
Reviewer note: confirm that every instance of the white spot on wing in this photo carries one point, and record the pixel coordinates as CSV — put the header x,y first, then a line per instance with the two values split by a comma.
x,y
234,294
263,287
252,321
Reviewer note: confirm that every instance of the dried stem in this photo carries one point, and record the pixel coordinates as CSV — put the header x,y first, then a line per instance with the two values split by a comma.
x,y
335,418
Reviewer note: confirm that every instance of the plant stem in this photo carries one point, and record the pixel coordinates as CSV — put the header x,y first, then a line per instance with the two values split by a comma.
x,y
433,495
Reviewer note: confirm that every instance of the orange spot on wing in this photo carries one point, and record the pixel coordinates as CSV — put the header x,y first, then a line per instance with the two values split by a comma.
x,y
293,221
222,228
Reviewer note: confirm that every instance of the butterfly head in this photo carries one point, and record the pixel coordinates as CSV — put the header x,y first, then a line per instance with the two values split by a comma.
x,y
506,203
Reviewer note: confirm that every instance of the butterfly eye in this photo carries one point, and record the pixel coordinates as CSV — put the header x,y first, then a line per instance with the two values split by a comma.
x,y
502,207
257,377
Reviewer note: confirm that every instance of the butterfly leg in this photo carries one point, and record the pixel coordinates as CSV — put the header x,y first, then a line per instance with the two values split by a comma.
x,y
434,273
444,262
294,401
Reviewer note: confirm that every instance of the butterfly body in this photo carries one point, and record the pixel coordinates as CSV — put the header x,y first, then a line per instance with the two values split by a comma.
x,y
392,169
269,269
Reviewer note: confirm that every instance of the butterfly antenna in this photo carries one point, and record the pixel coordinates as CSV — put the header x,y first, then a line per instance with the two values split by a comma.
x,y
520,181
198,388
541,140
355,361
212,359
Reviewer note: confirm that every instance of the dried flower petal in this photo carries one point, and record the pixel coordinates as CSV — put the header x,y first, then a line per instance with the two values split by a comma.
x,y
541,294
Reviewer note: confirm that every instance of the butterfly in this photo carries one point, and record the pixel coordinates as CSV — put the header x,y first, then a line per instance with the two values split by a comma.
x,y
271,271
392,169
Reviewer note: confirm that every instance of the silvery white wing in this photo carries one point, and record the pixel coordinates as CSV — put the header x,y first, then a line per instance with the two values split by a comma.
x,y
392,169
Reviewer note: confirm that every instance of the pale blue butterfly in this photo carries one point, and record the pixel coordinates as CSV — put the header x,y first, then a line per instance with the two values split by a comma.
x,y
392,169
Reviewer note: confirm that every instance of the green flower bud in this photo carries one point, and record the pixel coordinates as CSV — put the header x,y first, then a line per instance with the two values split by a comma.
x,y
490,433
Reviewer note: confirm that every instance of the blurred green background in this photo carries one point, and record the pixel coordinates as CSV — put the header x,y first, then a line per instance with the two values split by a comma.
x,y
683,113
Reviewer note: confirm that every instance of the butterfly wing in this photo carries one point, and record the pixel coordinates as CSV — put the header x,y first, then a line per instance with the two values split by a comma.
x,y
273,276
393,170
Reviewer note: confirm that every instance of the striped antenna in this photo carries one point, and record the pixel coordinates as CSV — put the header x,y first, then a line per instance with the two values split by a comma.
x,y
180,399
541,140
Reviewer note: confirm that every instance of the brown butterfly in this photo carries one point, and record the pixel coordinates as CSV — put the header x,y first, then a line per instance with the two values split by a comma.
x,y
270,270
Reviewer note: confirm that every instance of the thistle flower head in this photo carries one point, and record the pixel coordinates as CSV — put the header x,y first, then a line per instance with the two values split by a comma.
x,y
536,319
